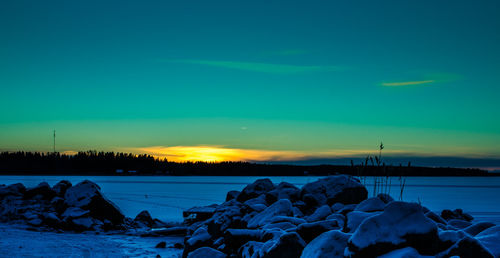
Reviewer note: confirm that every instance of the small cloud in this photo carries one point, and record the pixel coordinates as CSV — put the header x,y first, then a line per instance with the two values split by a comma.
x,y
261,67
393,84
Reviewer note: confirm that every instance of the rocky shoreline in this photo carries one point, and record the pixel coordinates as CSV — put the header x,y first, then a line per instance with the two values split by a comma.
x,y
331,217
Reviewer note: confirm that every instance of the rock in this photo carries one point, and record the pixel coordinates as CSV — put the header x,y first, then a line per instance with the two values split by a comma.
x,y
200,238
280,225
320,213
478,228
436,218
58,204
261,199
13,189
260,186
293,220
87,195
74,212
370,204
283,190
337,207
385,198
250,249
401,224
51,219
145,218
36,222
347,209
61,187
339,218
490,239
450,237
458,223
81,224
456,214
355,218
287,245
328,244
467,247
406,252
42,189
309,231
172,231
235,238
227,215
297,213
333,189
232,195
162,244
282,207
204,252
196,214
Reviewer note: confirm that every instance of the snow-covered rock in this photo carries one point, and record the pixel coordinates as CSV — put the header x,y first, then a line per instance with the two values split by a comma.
x,y
341,219
287,245
260,186
309,231
401,224
385,198
490,238
406,252
43,189
467,247
355,218
250,250
328,244
235,238
87,195
74,212
478,228
205,252
371,204
200,238
436,218
456,214
232,195
333,189
293,220
144,218
282,207
320,213
61,187
458,223
283,190
13,189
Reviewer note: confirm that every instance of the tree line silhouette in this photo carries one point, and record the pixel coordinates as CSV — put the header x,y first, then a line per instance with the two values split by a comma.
x,y
111,163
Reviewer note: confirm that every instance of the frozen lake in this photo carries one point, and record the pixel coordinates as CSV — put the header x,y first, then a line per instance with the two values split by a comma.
x,y
165,197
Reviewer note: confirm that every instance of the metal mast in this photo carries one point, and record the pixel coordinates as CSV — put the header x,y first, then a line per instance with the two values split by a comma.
x,y
54,141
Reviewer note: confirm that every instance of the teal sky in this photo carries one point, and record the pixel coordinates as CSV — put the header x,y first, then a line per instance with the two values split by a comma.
x,y
300,78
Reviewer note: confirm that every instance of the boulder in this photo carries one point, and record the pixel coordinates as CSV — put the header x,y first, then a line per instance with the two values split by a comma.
x,y
227,215
58,204
436,218
61,187
235,238
478,228
232,195
448,238
87,195
200,238
282,207
371,204
456,214
196,214
490,238
43,189
162,244
51,219
144,218
204,252
337,207
385,198
328,244
260,186
333,189
467,247
283,190
287,245
355,218
13,189
81,224
320,213
401,224
309,231
458,223
280,225
250,250
407,252
293,220
341,219
74,212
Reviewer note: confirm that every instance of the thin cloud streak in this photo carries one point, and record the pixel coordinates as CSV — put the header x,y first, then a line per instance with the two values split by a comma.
x,y
395,84
261,67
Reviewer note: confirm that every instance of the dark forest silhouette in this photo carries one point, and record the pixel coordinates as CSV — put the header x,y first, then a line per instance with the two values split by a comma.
x,y
111,163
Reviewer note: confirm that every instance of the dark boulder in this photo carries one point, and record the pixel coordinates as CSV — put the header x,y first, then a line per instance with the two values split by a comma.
x,y
328,244
13,189
260,186
467,247
333,189
61,187
43,189
232,195
87,195
145,218
282,207
205,252
287,245
309,231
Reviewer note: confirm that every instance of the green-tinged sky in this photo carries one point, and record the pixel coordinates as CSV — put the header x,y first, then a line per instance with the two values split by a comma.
x,y
262,79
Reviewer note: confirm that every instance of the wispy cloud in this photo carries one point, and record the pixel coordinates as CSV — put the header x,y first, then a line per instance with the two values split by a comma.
x,y
406,83
261,67
289,52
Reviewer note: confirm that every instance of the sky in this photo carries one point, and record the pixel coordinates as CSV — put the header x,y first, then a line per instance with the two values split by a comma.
x,y
252,80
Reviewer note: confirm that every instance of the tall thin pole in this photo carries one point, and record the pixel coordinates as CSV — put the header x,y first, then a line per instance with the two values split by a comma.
x,y
54,141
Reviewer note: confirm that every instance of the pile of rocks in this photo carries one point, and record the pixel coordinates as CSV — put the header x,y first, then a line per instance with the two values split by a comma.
x,y
331,217
81,207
